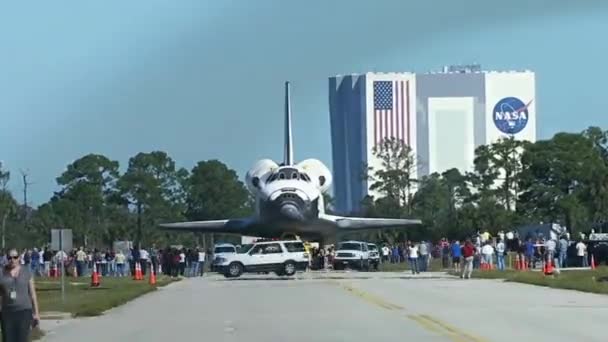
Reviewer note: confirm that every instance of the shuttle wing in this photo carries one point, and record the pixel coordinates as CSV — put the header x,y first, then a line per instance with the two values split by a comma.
x,y
228,226
361,223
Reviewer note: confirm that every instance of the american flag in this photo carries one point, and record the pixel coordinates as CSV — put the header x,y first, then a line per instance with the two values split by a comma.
x,y
391,111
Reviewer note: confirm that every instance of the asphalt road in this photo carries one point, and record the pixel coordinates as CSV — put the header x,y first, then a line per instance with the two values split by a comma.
x,y
348,307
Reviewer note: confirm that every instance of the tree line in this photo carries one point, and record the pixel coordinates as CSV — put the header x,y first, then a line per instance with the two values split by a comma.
x,y
101,205
562,180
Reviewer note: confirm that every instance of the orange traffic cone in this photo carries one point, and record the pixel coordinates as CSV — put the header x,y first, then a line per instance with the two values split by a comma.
x,y
135,271
548,267
152,275
138,275
592,262
95,277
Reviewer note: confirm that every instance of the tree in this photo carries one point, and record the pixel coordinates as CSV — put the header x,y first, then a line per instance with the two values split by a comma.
x,y
560,177
215,192
87,185
8,204
431,203
152,186
394,179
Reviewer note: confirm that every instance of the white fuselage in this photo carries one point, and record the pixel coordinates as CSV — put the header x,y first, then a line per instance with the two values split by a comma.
x,y
288,194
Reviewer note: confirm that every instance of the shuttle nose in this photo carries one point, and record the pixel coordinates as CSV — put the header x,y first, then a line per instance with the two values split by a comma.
x,y
291,211
290,206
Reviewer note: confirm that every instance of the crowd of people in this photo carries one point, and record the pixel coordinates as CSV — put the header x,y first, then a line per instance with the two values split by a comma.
x,y
480,249
173,262
475,252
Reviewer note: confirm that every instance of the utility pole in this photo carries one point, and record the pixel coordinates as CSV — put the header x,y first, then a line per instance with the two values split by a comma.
x,y
24,175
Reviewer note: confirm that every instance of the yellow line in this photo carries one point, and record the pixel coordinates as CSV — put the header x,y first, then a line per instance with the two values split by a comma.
x,y
425,324
369,297
428,322
458,333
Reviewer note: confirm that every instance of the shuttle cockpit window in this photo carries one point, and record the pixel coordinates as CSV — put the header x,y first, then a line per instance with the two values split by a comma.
x,y
288,173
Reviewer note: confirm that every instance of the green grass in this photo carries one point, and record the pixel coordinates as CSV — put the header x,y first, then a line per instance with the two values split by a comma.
x,y
83,300
579,280
405,266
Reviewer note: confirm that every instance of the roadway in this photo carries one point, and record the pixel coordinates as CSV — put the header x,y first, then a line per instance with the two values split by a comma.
x,y
348,307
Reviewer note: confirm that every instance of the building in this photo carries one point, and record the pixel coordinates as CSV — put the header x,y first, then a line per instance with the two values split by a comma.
x,y
458,110
365,109
443,116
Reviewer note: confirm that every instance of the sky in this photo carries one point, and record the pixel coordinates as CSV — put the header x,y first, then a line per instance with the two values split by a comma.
x,y
203,79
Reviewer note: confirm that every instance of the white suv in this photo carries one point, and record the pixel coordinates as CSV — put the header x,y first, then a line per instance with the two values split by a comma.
x,y
221,250
282,257
353,254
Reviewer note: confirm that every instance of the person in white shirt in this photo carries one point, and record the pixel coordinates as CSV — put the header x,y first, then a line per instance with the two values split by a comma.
x,y
385,252
413,257
550,247
182,262
581,249
500,255
120,259
144,259
487,251
201,262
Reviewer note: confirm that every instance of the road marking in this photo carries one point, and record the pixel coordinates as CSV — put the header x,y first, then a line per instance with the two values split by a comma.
x,y
454,333
427,322
368,297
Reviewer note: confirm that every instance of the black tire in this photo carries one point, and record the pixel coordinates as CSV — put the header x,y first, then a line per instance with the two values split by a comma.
x,y
289,268
235,270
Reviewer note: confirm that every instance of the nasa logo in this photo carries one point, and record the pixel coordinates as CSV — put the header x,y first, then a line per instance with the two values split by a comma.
x,y
511,115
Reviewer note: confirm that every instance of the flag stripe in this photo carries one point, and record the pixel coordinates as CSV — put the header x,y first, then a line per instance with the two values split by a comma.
x,y
396,117
408,111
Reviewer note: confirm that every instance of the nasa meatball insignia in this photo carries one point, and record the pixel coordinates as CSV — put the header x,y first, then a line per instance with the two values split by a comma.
x,y
511,115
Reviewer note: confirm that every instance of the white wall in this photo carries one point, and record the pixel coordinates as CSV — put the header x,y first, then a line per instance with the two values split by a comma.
x,y
501,85
451,133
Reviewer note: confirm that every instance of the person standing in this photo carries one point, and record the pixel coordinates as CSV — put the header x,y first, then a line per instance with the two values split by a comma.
x,y
468,252
500,254
423,250
550,247
201,262
563,251
488,252
120,263
81,258
581,250
456,254
19,301
413,256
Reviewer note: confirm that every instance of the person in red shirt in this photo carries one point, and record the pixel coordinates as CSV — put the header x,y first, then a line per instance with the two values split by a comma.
x,y
468,253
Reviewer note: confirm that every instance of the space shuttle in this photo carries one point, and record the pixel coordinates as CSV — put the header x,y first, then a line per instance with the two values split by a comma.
x,y
289,200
